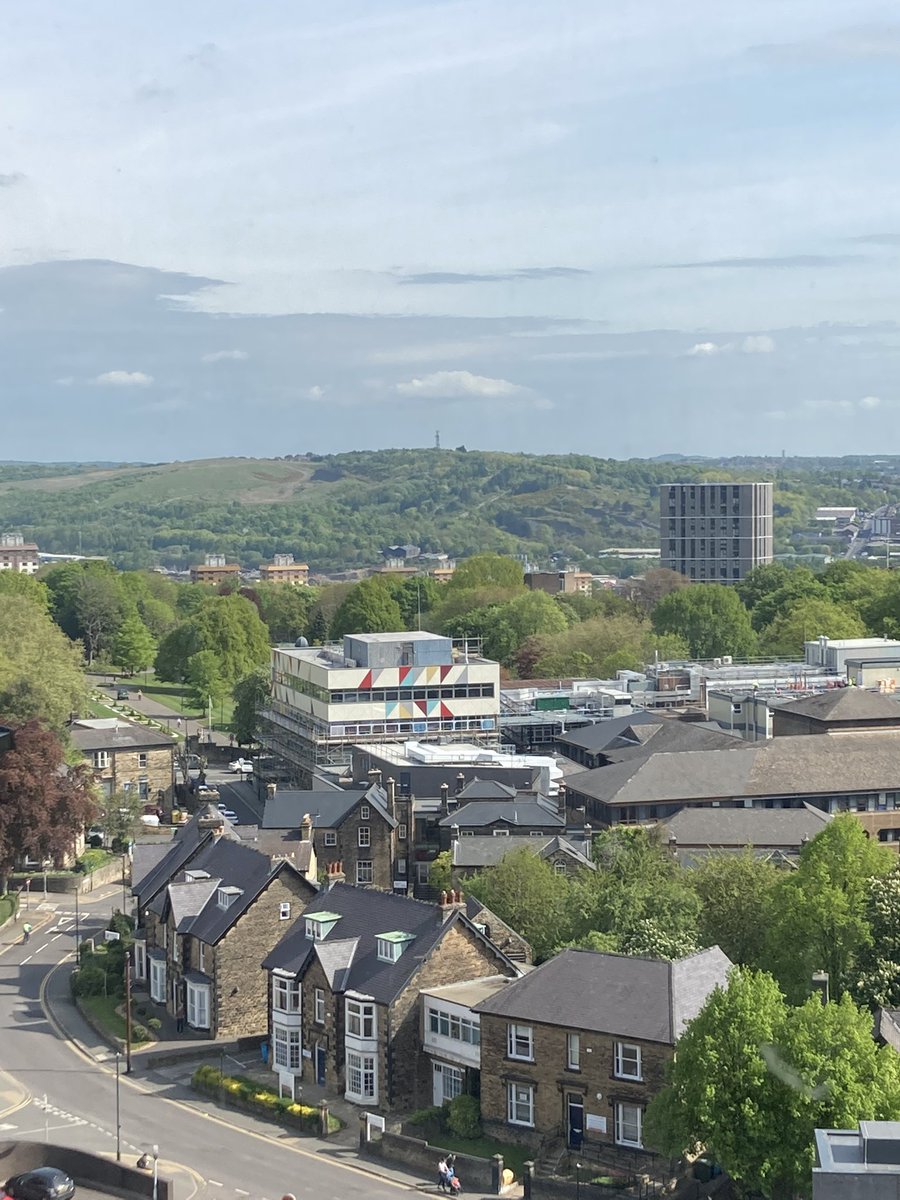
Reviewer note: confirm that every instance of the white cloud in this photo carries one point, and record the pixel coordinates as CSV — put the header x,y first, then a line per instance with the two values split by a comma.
x,y
845,407
225,356
124,379
65,381
870,402
704,350
315,392
759,343
459,385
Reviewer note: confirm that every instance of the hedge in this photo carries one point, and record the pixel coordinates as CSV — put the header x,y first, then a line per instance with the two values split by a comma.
x,y
251,1096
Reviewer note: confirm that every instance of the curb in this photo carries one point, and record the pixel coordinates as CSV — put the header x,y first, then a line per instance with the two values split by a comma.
x,y
36,925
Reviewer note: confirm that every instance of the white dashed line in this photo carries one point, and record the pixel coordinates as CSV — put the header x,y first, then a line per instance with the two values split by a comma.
x,y
25,960
44,947
214,1183
241,1192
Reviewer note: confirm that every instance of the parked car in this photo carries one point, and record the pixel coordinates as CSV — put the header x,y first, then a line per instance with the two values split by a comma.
x,y
205,792
123,694
150,819
228,814
243,766
44,1183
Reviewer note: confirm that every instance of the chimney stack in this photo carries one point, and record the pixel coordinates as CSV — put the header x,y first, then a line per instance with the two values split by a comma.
x,y
391,791
335,874
374,776
820,983
588,840
445,799
271,789
451,902
460,782
306,828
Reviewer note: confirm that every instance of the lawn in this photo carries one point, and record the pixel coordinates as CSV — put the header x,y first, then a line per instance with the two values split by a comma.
x,y
7,908
178,699
98,709
103,1010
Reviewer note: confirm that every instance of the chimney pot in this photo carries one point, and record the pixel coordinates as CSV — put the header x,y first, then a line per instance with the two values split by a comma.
x,y
443,899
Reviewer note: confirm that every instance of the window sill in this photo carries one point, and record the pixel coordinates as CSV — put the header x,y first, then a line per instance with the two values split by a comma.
x,y
520,1124
629,1078
517,1059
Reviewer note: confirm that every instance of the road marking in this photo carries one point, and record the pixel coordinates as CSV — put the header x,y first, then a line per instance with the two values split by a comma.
x,y
241,1192
54,939
26,960
211,1182
7,1126
44,947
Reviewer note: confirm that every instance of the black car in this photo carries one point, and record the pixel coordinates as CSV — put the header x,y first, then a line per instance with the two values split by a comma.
x,y
123,694
45,1183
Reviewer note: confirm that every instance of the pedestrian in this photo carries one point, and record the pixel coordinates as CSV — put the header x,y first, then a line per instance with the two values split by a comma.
x,y
443,1175
140,695
179,1021
231,740
26,933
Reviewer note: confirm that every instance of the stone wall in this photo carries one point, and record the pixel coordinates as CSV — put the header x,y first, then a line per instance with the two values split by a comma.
x,y
475,1174
87,1170
329,1034
67,884
125,767
554,1082
241,987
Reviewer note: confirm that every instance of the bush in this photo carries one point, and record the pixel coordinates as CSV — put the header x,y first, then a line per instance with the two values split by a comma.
x,y
91,861
464,1117
140,1033
121,924
426,1116
89,980
155,1024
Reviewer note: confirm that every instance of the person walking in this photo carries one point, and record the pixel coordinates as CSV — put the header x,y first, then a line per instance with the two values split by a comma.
x,y
26,933
443,1175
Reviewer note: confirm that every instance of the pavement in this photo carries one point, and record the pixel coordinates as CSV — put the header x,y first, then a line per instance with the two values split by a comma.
x,y
58,1081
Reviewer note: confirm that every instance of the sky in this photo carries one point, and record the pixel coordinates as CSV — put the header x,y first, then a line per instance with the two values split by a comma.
x,y
617,229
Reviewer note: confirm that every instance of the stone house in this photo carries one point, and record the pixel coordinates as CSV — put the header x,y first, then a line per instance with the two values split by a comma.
x,y
567,854
572,1053
367,832
128,757
345,983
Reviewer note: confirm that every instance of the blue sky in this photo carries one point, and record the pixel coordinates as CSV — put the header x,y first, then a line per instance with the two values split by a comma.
x,y
620,229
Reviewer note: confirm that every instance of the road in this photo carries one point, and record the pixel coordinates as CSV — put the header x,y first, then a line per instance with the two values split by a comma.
x,y
52,1091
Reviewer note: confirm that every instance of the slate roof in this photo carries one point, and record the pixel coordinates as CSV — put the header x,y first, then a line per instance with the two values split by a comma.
x,y
184,846
846,704
145,857
349,951
286,809
194,905
478,852
485,789
782,828
786,766
123,735
615,994
607,734
527,810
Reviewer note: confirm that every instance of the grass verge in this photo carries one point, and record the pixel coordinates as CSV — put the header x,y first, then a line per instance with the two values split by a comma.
x,y
103,1011
7,907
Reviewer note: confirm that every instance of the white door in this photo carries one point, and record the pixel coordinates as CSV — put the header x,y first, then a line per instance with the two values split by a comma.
x,y
448,1082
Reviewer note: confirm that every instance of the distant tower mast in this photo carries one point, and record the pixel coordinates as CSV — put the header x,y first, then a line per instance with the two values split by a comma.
x,y
437,439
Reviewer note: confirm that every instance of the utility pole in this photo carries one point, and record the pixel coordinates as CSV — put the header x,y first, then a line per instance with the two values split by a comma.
x,y
118,1112
127,1012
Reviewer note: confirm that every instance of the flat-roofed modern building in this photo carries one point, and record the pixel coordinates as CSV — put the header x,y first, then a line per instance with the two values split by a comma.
x,y
858,1164
377,687
715,532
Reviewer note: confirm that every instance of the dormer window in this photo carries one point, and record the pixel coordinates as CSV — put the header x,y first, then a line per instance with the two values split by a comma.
x,y
319,925
391,945
226,896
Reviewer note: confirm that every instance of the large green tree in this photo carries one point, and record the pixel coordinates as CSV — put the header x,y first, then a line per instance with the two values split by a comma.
x,y
525,892
504,628
753,1078
877,983
286,609
229,627
40,669
710,618
820,919
133,647
368,608
804,620
251,694
486,570
737,896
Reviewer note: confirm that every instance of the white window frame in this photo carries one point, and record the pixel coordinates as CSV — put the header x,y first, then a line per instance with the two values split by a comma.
x,y
330,837
198,1008
560,868
319,1006
364,836
143,760
517,1037
158,980
285,994
284,910
287,1049
140,960
520,1104
365,867
176,948
500,832
573,1051
362,1076
362,1021
451,1025
621,1137
402,831
624,1058
364,812
452,1076
101,760
201,957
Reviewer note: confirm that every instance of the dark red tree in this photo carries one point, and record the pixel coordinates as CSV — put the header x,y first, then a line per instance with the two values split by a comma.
x,y
44,804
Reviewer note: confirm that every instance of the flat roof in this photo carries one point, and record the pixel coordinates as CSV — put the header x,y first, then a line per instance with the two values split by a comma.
x,y
416,635
470,992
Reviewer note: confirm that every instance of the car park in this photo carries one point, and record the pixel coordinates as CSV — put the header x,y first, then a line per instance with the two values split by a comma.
x,y
44,1183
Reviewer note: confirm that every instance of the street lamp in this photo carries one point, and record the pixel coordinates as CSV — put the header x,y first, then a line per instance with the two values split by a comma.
x,y
155,1172
118,1113
578,1181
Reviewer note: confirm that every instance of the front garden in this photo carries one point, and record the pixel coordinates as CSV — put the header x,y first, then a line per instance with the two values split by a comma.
x,y
457,1127
238,1091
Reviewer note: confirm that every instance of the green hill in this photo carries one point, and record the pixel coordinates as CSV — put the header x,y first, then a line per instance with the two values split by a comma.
x,y
338,511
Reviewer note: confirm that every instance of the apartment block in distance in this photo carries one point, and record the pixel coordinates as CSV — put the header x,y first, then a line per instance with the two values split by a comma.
x,y
18,555
215,570
284,570
715,532
377,687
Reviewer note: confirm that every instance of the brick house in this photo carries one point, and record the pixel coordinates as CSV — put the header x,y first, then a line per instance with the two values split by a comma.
x,y
207,909
366,831
127,757
576,1048
344,990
